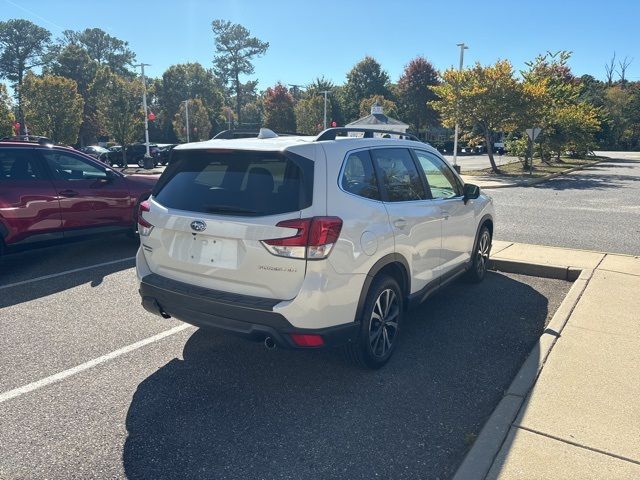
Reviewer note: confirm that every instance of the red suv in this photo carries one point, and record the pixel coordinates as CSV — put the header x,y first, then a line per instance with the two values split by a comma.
x,y
50,192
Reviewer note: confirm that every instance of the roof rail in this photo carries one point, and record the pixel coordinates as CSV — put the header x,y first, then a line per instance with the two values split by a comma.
x,y
249,133
332,133
235,133
28,139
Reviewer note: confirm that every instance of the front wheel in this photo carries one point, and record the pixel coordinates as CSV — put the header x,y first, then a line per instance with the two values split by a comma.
x,y
379,324
480,258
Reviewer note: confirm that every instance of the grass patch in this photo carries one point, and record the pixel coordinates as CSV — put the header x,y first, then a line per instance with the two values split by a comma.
x,y
540,169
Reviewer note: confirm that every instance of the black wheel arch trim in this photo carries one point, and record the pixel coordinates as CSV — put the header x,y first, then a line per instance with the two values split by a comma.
x,y
4,231
481,223
389,259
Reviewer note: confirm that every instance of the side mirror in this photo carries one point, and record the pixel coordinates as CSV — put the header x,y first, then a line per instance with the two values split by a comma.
x,y
471,192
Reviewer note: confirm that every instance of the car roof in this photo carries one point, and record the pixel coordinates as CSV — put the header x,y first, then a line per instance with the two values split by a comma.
x,y
19,144
284,142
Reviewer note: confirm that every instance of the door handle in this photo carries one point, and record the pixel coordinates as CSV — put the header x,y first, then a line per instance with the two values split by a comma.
x,y
68,193
400,223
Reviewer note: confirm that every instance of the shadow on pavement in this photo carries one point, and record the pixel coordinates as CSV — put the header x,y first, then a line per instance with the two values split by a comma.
x,y
595,178
27,265
231,409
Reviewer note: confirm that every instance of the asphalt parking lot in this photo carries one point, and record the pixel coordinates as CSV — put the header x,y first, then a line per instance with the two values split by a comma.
x,y
193,404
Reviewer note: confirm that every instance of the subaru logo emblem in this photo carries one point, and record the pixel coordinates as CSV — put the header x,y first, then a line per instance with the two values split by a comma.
x,y
198,226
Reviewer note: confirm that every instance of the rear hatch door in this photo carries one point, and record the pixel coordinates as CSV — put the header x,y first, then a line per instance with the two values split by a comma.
x,y
212,208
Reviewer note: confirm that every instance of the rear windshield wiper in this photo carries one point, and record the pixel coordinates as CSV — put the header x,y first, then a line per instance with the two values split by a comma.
x,y
230,209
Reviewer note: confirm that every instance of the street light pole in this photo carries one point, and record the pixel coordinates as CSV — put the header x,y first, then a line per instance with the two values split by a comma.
x,y
186,116
463,47
144,104
325,92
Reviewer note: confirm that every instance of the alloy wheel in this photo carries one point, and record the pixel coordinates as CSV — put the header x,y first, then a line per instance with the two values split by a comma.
x,y
383,324
482,255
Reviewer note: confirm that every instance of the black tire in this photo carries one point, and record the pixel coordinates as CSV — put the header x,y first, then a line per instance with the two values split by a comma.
x,y
377,337
480,256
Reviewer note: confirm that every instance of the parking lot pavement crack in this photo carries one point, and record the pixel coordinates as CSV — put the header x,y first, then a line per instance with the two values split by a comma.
x,y
579,445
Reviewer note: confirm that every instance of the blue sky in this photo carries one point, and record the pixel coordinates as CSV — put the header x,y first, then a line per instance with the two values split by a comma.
x,y
309,39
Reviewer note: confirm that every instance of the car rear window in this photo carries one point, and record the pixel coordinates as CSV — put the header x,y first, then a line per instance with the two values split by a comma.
x,y
229,182
19,164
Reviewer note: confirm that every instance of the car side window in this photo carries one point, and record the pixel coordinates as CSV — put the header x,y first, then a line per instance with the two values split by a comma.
x,y
398,174
358,176
69,167
19,164
441,180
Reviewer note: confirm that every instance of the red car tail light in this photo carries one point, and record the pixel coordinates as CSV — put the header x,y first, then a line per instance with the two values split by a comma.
x,y
314,239
307,340
144,227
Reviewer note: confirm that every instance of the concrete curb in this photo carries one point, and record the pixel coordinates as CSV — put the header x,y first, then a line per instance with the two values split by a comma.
x,y
480,457
529,183
535,269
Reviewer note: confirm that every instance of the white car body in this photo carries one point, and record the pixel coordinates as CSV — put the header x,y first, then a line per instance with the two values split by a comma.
x,y
238,284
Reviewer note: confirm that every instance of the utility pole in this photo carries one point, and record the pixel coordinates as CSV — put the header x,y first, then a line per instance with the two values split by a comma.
x,y
463,47
144,104
325,92
186,116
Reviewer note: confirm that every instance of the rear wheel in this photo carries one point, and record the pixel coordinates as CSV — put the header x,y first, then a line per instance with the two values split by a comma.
x,y
480,259
379,324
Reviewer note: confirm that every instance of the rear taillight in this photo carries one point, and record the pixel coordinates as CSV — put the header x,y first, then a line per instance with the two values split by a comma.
x,y
314,239
144,227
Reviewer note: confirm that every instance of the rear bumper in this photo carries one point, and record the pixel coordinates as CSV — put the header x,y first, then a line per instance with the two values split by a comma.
x,y
250,317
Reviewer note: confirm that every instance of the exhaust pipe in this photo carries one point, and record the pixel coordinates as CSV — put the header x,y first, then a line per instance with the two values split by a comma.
x,y
269,343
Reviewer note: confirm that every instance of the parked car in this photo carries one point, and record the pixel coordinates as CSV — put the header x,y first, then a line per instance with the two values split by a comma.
x,y
307,242
94,150
135,154
113,156
164,152
50,192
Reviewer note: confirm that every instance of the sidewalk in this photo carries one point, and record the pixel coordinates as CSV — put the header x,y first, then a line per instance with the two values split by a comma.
x,y
573,410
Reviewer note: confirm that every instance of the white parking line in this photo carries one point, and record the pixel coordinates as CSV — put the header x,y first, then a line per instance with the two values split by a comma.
x,y
17,392
66,272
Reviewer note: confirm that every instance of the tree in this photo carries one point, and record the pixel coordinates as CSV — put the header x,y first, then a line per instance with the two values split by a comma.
x,y
121,103
199,124
577,125
366,78
610,69
278,109
487,98
188,81
236,48
415,93
252,115
102,48
388,107
618,106
624,64
6,113
22,47
74,62
53,107
567,121
310,114
335,110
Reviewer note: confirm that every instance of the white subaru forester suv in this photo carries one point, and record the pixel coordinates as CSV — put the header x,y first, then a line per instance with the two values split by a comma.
x,y
307,242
